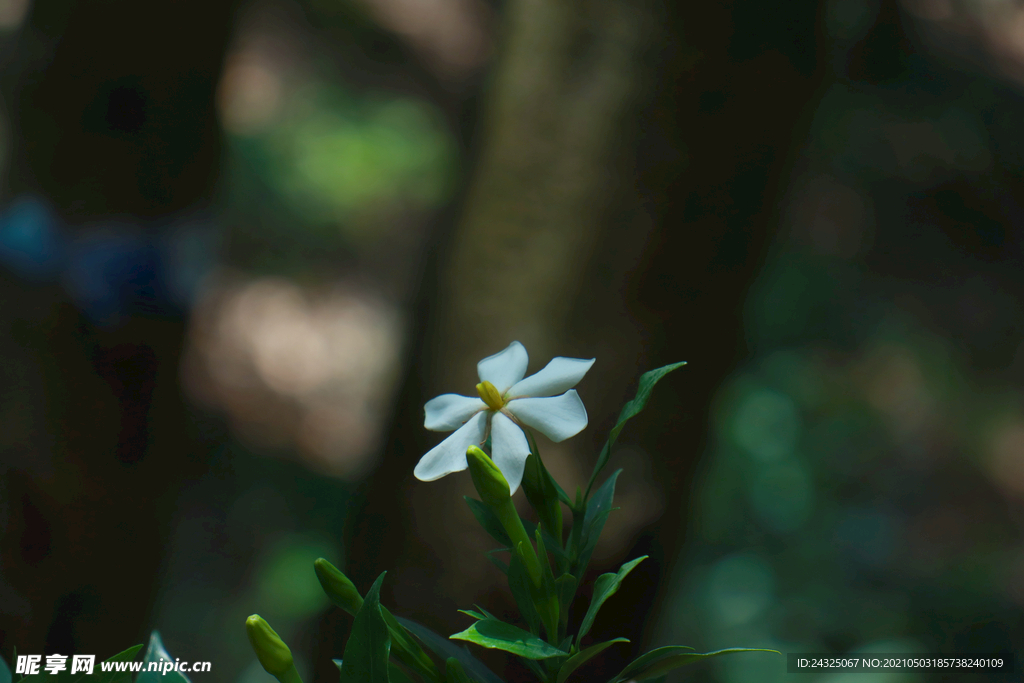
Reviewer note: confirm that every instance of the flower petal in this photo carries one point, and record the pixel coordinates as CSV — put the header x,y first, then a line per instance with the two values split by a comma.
x,y
450,455
509,449
505,368
557,418
557,376
450,411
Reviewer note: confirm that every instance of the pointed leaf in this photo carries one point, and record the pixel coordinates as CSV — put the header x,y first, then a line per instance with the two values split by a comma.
x,y
546,599
498,635
591,545
542,551
397,674
408,651
485,612
598,509
565,589
544,669
565,586
5,672
550,543
156,652
600,503
630,410
369,645
522,590
541,490
578,659
496,562
445,648
662,660
605,587
536,668
453,671
486,517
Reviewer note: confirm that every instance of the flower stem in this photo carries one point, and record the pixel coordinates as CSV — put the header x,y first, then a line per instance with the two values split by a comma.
x,y
509,518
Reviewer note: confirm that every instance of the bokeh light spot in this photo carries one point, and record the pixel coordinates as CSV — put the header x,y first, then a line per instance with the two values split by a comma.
x,y
739,588
766,424
782,496
286,585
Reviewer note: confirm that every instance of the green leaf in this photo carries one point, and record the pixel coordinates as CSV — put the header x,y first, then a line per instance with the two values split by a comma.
x,y
600,503
537,669
408,651
547,598
496,562
397,674
565,586
551,545
565,589
472,613
156,652
485,612
522,590
368,646
453,671
630,410
560,492
498,635
598,509
664,659
541,490
5,671
605,587
542,552
582,657
445,648
488,520
478,613
562,496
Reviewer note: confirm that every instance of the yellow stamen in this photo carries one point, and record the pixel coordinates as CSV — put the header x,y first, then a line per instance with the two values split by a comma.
x,y
489,394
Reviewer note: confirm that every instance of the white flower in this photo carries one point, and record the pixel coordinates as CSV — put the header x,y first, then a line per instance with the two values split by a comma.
x,y
506,403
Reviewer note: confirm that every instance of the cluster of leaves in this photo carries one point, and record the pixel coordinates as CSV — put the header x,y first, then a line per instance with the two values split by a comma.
x,y
543,580
155,653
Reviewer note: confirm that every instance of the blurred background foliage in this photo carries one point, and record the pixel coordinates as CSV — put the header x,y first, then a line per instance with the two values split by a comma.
x,y
242,243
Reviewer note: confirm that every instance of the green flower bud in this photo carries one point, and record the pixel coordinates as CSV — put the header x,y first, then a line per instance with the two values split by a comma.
x,y
493,489
337,586
273,654
489,481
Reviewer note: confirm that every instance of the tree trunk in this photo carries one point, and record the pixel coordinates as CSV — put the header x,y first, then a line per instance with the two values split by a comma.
x,y
112,115
537,208
623,201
